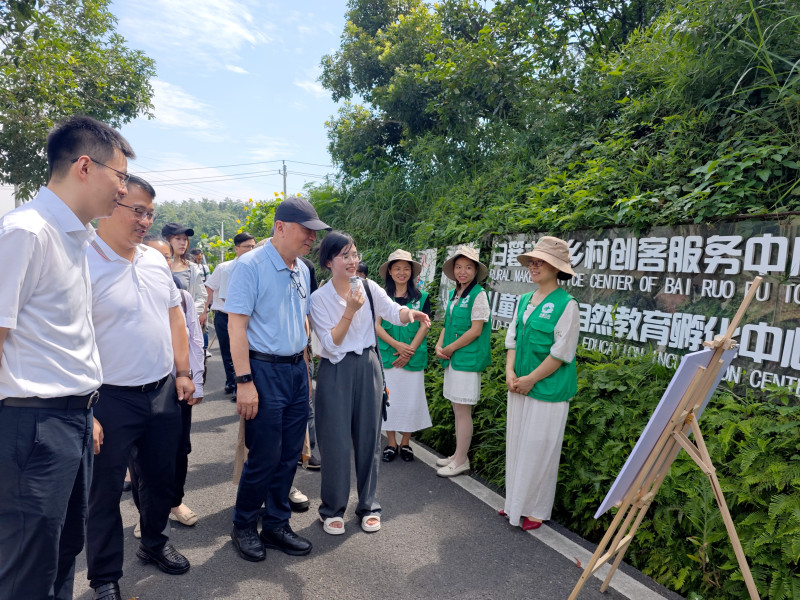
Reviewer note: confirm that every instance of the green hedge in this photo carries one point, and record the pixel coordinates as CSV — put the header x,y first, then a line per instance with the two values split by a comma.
x,y
682,544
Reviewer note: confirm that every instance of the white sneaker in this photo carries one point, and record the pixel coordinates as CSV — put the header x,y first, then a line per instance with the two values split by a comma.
x,y
452,470
137,531
298,501
443,462
208,354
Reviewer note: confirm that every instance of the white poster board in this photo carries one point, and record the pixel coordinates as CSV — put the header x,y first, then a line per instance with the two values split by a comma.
x,y
427,258
660,419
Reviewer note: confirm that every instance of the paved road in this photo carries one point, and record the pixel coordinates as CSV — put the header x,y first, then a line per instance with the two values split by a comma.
x,y
438,539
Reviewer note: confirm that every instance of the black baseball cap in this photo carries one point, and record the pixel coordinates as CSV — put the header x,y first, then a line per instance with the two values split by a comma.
x,y
171,229
300,210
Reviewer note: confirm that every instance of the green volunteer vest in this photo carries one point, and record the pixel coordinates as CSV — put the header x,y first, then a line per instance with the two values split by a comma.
x,y
406,335
476,356
534,340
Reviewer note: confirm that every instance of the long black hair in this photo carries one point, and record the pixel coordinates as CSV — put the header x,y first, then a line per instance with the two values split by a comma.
x,y
412,293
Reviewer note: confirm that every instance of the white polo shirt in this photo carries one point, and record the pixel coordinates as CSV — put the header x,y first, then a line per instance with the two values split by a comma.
x,y
218,283
45,301
130,310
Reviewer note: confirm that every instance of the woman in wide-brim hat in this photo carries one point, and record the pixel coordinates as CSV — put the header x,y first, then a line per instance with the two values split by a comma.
x,y
405,355
541,378
464,347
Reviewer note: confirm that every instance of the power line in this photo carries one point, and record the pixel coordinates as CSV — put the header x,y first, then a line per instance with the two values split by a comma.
x,y
233,175
308,163
262,162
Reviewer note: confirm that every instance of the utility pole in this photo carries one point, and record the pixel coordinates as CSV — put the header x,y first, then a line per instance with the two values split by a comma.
x,y
222,239
284,180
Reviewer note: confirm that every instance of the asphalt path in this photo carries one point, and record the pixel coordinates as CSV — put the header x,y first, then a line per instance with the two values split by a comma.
x,y
438,540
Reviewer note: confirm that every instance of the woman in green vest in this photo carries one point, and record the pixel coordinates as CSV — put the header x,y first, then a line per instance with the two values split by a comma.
x,y
541,378
405,355
464,347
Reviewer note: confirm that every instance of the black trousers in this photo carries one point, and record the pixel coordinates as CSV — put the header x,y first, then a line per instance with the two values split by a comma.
x,y
221,327
152,423
45,466
181,459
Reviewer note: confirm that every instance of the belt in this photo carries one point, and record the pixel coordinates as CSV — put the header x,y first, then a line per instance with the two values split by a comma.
x,y
142,389
274,358
63,402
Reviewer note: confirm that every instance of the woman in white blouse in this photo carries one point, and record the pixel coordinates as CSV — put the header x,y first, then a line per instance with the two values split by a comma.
x,y
349,382
541,377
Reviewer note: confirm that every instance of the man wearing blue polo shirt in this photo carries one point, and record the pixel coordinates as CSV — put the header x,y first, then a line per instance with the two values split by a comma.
x,y
267,305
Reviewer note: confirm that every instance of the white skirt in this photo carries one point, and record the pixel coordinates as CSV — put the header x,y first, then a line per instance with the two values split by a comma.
x,y
534,434
461,387
408,406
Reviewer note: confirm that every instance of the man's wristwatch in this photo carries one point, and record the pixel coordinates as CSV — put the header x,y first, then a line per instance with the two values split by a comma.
x,y
188,374
247,378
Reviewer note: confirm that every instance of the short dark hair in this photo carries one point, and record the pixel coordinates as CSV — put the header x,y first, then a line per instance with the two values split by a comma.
x,y
332,244
144,185
240,238
80,135
195,251
362,268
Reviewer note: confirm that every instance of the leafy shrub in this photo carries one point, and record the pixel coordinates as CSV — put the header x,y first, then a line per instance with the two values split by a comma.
x,y
682,543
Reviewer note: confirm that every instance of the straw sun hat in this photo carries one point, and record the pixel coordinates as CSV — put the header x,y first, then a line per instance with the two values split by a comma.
x,y
467,252
399,254
554,252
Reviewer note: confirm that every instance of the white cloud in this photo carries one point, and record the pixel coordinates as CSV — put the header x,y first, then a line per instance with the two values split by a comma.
x,y
211,32
236,69
268,148
174,107
312,87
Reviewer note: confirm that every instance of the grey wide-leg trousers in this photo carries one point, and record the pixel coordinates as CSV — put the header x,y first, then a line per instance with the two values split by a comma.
x,y
348,404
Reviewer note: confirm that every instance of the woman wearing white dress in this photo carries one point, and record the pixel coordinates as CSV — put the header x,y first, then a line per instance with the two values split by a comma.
x,y
541,377
405,356
464,346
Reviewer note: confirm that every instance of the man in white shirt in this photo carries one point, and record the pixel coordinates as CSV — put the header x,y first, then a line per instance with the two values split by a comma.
x,y
49,364
217,288
141,333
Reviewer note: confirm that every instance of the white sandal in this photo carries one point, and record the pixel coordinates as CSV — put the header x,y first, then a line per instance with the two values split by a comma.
x,y
327,525
370,528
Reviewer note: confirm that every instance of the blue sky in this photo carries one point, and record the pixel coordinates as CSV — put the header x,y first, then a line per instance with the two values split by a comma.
x,y
236,84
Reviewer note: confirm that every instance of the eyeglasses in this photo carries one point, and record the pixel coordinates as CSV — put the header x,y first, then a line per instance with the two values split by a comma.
x,y
141,214
352,257
536,262
246,246
123,177
295,278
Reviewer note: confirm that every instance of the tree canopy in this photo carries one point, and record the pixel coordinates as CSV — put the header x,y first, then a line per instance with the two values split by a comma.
x,y
463,121
59,58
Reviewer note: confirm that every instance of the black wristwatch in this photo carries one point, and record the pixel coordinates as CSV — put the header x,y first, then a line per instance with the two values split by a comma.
x,y
244,378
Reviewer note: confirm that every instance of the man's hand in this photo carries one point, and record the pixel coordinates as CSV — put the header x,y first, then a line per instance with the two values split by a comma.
x,y
193,401
97,435
203,319
185,388
247,400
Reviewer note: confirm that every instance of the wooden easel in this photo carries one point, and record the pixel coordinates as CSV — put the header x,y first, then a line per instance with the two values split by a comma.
x,y
636,502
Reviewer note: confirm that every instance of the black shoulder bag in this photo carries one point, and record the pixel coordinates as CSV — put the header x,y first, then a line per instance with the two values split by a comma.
x,y
385,403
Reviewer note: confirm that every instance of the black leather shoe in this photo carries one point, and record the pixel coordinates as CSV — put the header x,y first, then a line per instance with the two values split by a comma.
x,y
168,560
285,540
229,389
247,544
107,591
